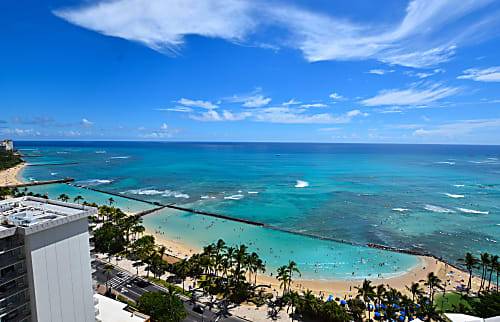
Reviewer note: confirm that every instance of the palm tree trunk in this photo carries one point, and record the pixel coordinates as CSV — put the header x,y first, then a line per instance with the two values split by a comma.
x,y
489,280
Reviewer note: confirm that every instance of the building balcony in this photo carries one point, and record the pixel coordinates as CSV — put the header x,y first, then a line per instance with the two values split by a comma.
x,y
96,301
21,317
8,260
8,246
9,306
19,288
13,275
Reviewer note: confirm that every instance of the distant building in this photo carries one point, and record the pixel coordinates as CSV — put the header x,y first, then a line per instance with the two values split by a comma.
x,y
6,145
45,262
114,311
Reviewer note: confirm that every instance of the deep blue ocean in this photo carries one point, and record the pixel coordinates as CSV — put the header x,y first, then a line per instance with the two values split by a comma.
x,y
444,199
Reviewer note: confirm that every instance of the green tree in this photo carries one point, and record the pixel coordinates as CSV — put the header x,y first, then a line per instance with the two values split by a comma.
x,y
63,197
181,270
109,239
493,266
111,201
366,292
433,282
486,306
470,263
77,199
485,262
162,307
415,290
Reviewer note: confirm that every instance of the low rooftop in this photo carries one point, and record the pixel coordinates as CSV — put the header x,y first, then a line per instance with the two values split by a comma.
x,y
33,214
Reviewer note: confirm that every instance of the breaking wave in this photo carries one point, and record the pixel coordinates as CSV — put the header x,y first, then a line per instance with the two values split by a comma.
x,y
439,209
471,211
301,184
154,192
453,196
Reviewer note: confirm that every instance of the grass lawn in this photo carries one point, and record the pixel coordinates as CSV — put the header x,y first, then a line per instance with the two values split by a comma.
x,y
448,301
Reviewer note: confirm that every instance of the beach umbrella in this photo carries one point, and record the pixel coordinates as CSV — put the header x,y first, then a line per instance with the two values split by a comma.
x,y
402,318
377,306
382,306
417,306
370,307
377,314
329,299
343,302
395,306
402,313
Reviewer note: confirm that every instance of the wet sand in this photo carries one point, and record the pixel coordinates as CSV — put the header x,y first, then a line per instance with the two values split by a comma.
x,y
12,175
341,288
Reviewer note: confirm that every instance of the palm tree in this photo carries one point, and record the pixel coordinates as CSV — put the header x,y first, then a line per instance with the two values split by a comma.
x,y
111,201
493,264
470,263
240,258
292,267
485,262
415,290
77,199
283,276
433,282
182,269
380,292
63,197
366,291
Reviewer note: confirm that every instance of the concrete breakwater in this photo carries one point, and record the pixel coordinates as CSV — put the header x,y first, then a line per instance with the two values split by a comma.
x,y
44,164
38,183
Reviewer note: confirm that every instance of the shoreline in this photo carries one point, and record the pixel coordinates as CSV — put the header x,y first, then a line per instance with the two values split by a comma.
x,y
341,288
12,175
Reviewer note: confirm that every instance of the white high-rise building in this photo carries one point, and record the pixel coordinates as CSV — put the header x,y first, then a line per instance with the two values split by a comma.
x,y
45,262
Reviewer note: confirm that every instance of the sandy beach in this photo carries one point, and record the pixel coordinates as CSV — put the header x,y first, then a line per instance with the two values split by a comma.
x,y
12,176
343,288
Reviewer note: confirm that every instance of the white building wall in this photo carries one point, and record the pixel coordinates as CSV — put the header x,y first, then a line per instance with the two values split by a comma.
x,y
59,270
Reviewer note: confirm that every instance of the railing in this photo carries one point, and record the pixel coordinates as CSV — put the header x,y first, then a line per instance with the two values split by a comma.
x,y
7,246
25,316
12,276
17,289
9,260
7,307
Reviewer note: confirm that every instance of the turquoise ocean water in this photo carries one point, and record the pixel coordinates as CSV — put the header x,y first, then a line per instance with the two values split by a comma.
x,y
436,198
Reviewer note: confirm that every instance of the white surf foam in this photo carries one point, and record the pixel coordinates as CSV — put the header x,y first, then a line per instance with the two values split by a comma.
x,y
301,184
438,209
446,162
453,196
95,182
100,152
62,152
253,192
400,209
154,192
471,211
53,173
459,185
121,157
234,197
205,197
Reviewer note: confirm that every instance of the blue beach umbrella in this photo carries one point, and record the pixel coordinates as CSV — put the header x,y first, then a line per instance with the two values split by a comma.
x,y
370,307
343,302
383,306
396,306
402,318
377,306
402,313
377,314
417,306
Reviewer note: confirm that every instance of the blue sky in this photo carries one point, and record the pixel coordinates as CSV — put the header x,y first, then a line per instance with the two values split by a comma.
x,y
421,71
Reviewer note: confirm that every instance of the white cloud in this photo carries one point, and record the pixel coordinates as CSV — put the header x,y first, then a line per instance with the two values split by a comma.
x,y
252,100
291,102
336,96
329,129
164,127
86,123
313,105
211,116
459,128
197,103
414,95
19,132
491,74
162,133
425,74
287,115
380,71
426,35
183,109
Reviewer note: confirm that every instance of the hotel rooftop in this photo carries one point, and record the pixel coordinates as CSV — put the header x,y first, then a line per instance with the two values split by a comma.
x,y
32,214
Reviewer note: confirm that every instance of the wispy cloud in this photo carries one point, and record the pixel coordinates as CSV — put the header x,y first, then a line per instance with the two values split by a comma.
x,y
380,71
183,109
291,102
214,116
425,74
197,103
86,123
336,96
458,128
19,132
414,95
162,133
491,74
329,129
254,99
313,105
427,34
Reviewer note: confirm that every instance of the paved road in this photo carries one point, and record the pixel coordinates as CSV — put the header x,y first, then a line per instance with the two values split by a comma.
x,y
133,287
